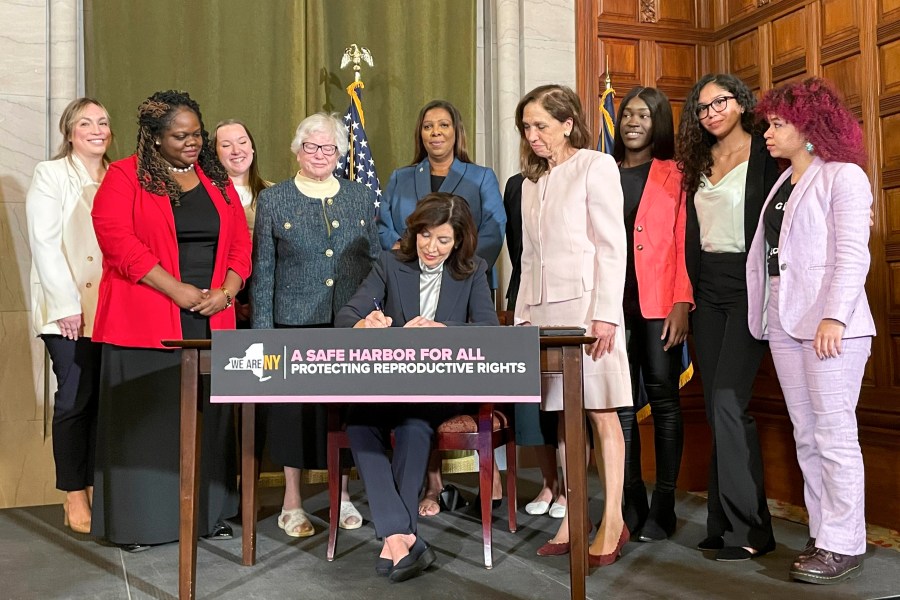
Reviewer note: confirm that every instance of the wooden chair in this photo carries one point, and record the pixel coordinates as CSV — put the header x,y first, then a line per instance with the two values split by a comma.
x,y
484,440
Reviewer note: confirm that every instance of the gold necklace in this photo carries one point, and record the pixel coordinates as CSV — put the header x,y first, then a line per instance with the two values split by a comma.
x,y
738,149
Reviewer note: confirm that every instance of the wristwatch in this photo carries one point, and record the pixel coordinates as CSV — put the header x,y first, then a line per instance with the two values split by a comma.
x,y
229,298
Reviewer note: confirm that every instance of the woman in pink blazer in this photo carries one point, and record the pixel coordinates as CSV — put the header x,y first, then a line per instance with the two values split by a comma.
x,y
806,275
573,273
657,300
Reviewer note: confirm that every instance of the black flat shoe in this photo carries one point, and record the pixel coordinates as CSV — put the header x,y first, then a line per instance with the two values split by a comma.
x,y
713,542
420,557
383,566
220,531
134,548
737,553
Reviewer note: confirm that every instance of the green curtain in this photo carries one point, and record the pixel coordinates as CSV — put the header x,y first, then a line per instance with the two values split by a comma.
x,y
271,63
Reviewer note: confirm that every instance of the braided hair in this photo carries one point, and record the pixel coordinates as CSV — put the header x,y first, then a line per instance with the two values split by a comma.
x,y
155,116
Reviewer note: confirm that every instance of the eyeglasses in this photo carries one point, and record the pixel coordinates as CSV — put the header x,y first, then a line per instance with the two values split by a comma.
x,y
327,149
717,104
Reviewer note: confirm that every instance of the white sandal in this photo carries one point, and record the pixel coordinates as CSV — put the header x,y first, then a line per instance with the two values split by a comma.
x,y
557,511
295,523
348,511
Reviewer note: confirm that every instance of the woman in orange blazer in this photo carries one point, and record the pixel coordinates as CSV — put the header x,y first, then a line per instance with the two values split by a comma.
x,y
656,302
175,251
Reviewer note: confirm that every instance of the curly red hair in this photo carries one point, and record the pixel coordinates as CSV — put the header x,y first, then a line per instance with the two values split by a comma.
x,y
816,109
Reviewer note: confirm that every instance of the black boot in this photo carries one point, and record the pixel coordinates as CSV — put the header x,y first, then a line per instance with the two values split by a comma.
x,y
661,521
636,509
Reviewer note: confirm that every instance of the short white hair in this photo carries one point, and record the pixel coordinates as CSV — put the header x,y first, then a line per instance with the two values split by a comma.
x,y
322,122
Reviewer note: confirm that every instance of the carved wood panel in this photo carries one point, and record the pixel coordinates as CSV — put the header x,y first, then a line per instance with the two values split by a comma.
x,y
744,52
676,68
892,210
619,10
839,20
624,61
735,9
845,74
789,38
679,13
888,9
890,127
889,59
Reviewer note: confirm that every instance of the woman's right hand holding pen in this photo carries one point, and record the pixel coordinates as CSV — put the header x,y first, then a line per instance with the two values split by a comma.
x,y
375,319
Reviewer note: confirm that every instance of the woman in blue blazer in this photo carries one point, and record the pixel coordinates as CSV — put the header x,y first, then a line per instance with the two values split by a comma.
x,y
441,164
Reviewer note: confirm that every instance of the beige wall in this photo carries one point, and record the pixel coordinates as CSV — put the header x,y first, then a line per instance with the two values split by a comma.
x,y
529,42
37,78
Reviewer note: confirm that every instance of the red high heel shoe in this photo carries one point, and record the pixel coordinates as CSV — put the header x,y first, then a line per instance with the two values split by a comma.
x,y
603,560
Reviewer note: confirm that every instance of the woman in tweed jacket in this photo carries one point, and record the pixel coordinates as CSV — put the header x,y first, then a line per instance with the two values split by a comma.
x,y
314,241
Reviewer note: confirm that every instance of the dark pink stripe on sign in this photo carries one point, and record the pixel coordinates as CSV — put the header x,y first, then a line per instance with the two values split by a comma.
x,y
371,399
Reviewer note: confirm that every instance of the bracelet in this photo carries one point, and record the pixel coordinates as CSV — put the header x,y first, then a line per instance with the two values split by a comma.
x,y
229,298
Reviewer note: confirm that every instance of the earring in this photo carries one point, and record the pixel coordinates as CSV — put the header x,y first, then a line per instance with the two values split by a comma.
x,y
567,133
809,147
157,142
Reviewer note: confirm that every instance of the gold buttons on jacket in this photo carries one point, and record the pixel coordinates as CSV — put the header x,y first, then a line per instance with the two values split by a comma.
x,y
640,246
287,225
640,228
362,222
329,201
329,282
329,253
335,224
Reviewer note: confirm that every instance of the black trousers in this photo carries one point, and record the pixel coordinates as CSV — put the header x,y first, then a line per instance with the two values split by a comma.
x,y
728,358
76,365
660,370
393,484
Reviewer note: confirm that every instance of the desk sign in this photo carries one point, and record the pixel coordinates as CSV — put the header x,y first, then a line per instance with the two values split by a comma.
x,y
452,364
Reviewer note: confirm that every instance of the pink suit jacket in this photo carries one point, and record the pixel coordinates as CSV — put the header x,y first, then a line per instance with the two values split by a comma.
x,y
659,243
823,254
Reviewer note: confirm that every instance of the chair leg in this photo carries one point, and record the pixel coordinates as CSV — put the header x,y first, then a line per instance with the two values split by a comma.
x,y
334,490
486,479
511,480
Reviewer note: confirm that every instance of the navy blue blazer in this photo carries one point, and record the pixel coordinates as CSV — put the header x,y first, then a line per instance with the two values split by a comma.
x,y
395,285
478,185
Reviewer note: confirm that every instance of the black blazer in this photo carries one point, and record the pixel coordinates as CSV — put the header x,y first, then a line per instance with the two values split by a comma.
x,y
762,173
512,202
395,285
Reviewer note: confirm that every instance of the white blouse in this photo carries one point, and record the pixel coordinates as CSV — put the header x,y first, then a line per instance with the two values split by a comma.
x,y
720,211
429,289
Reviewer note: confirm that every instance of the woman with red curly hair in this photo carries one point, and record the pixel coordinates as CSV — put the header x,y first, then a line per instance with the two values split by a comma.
x,y
806,275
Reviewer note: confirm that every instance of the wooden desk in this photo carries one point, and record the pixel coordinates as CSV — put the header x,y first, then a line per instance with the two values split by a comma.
x,y
561,354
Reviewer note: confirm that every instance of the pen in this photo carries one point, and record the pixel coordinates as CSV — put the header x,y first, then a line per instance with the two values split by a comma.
x,y
377,304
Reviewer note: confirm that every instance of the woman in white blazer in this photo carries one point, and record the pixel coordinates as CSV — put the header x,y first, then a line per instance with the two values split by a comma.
x,y
574,250
65,276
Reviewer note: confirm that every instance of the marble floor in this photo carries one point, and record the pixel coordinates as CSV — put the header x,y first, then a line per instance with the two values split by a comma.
x,y
40,559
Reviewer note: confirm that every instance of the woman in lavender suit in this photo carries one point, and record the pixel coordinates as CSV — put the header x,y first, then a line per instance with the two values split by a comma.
x,y
806,275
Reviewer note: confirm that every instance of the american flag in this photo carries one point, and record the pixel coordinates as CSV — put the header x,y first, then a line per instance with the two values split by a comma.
x,y
358,164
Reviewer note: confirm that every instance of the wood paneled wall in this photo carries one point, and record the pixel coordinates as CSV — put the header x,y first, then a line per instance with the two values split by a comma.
x,y
669,44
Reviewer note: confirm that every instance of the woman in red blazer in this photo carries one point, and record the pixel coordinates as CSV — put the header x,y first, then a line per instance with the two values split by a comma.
x,y
175,251
657,300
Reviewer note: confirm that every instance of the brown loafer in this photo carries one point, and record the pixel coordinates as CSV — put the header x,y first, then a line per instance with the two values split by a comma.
x,y
551,549
826,568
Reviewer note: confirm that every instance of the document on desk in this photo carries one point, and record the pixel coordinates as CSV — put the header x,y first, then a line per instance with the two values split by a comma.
x,y
453,364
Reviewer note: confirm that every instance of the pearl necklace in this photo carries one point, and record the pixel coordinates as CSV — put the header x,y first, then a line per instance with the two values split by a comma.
x,y
187,169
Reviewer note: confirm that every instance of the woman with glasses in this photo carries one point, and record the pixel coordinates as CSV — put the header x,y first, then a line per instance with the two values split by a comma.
x,y
727,175
314,242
